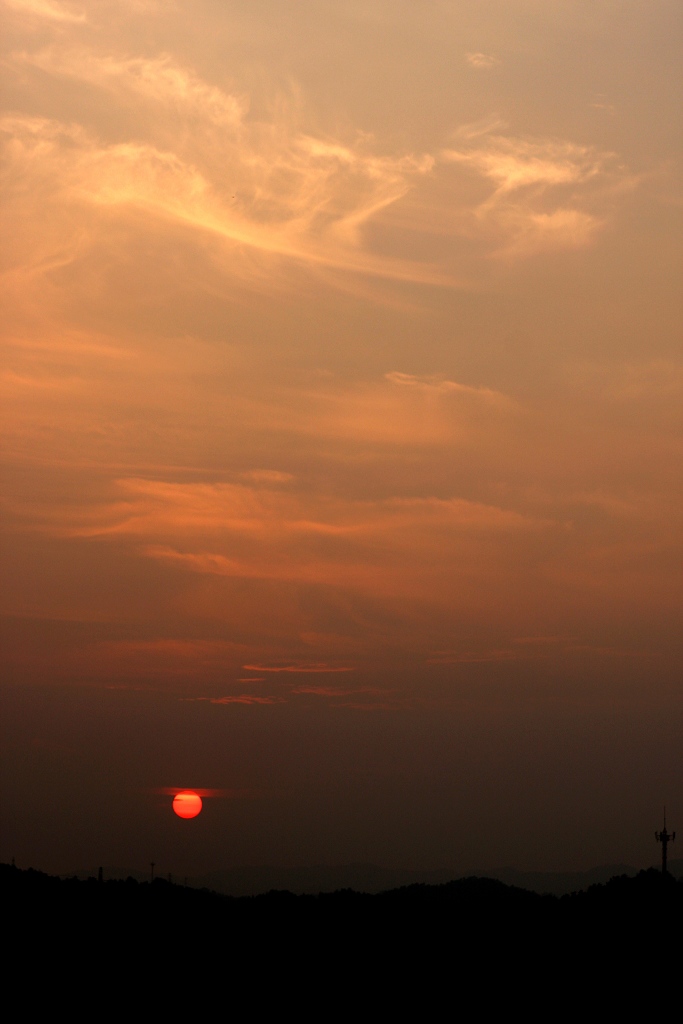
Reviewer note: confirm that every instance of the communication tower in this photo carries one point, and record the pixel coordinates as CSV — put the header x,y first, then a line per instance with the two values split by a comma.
x,y
664,838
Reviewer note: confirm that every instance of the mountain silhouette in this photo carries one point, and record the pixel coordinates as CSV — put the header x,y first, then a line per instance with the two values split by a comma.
x,y
252,880
415,950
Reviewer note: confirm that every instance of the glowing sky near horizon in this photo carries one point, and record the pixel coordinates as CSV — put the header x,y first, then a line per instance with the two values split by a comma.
x,y
342,376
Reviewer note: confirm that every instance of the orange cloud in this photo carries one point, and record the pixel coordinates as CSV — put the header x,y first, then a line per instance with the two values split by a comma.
x,y
314,668
268,185
481,60
243,698
47,9
548,193
291,195
331,691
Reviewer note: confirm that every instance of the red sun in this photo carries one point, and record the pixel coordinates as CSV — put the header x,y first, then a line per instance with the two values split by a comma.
x,y
187,804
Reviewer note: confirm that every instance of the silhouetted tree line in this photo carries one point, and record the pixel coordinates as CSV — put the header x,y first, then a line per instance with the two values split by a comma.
x,y
410,943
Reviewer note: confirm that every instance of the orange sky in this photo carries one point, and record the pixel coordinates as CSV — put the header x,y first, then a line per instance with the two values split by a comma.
x,y
341,388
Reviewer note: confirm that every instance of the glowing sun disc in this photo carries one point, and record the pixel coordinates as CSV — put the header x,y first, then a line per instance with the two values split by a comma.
x,y
187,804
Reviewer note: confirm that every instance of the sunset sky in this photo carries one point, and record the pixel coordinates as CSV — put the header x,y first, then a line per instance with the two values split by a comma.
x,y
341,400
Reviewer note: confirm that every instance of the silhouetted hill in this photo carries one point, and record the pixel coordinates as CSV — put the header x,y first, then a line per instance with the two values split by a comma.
x,y
250,881
369,878
415,942
474,898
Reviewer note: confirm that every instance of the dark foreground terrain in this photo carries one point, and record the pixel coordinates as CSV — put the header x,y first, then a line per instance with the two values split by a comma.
x,y
471,939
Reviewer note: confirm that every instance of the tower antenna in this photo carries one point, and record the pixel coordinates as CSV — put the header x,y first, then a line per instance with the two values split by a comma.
x,y
664,838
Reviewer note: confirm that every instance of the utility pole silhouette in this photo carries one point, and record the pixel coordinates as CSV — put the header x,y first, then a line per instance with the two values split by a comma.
x,y
664,838
151,874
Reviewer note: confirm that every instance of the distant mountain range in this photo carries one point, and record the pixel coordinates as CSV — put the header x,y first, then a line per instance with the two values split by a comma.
x,y
251,881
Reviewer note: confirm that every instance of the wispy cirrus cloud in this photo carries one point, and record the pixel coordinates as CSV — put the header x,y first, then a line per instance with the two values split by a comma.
x,y
438,384
548,193
514,164
159,81
311,209
49,10
267,185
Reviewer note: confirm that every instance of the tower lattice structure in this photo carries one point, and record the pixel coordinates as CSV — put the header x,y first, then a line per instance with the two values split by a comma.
x,y
664,838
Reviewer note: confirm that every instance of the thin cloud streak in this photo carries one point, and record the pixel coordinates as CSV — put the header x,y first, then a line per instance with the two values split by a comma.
x,y
243,698
314,668
47,9
330,691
